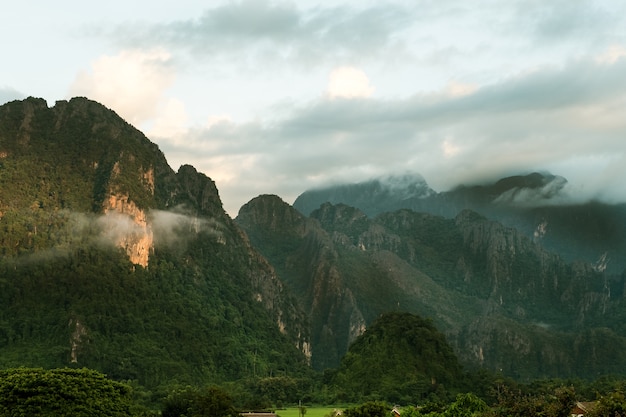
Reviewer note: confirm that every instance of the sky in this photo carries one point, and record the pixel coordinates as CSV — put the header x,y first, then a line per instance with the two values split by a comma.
x,y
277,97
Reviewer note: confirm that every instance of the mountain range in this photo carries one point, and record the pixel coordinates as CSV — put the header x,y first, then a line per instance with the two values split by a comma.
x,y
112,260
539,205
504,302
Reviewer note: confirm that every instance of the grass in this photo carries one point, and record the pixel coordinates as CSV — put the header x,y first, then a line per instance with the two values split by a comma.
x,y
310,411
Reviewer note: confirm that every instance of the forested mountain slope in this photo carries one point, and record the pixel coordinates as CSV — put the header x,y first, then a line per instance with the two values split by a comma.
x,y
503,301
113,261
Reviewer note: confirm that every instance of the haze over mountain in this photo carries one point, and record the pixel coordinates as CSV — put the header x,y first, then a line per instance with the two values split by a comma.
x,y
538,204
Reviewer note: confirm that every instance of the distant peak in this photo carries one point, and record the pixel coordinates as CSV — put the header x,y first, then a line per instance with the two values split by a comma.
x,y
529,190
534,180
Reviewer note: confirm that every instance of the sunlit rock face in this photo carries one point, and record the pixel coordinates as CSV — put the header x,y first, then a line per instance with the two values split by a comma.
x,y
132,232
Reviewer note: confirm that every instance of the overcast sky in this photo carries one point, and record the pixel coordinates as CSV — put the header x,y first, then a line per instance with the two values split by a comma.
x,y
282,96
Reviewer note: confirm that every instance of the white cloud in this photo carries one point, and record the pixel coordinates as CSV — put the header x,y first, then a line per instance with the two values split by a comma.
x,y
265,32
170,120
458,89
348,82
449,148
541,120
132,83
611,54
7,94
463,92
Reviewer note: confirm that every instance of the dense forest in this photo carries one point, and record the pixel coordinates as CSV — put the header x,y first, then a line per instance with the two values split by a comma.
x,y
402,362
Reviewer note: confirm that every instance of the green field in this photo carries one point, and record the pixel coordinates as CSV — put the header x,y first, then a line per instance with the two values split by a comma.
x,y
310,411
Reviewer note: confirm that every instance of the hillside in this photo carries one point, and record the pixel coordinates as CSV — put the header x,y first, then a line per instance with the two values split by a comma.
x,y
503,302
111,260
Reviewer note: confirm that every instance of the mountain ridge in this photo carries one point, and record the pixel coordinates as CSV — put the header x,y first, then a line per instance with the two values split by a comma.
x,y
535,204
503,301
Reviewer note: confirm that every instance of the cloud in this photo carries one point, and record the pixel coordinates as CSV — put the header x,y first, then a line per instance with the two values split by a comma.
x,y
174,228
612,54
545,119
132,83
170,119
553,192
9,94
171,229
561,19
263,32
348,82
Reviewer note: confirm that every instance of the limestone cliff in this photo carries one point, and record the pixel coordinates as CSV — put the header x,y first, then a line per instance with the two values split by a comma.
x,y
335,318
138,240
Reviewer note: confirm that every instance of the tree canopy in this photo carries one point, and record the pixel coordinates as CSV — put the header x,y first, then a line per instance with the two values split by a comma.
x,y
55,392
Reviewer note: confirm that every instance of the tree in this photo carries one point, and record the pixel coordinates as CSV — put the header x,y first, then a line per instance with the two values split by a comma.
x,y
54,392
369,409
466,405
611,405
199,402
562,402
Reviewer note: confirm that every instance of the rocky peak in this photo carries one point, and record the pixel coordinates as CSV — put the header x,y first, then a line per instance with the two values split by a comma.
x,y
372,197
341,217
272,213
199,191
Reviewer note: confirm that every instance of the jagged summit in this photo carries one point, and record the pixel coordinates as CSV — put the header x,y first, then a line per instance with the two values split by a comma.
x,y
372,196
529,190
537,204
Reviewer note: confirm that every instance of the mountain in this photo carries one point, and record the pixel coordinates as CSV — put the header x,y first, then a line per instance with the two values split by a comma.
x,y
536,204
113,261
375,196
503,301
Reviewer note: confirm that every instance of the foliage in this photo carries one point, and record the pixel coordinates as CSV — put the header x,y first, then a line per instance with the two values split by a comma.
x,y
277,391
465,405
369,409
611,405
197,402
400,358
168,322
556,402
72,392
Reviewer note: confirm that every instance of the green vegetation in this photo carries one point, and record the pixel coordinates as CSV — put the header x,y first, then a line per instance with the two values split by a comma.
x,y
369,409
56,392
149,325
191,401
400,358
311,411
